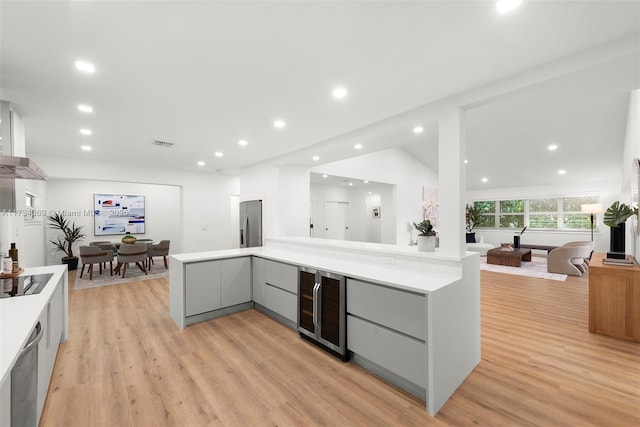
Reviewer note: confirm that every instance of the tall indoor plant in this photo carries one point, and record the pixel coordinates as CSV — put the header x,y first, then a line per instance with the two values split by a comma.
x,y
71,234
615,217
472,216
426,236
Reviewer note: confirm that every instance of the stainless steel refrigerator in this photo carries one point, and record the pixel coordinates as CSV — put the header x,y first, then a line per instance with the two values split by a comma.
x,y
251,223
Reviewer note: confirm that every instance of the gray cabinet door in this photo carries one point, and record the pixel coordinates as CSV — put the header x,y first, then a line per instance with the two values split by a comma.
x,y
283,276
259,280
235,281
51,319
402,311
282,302
202,288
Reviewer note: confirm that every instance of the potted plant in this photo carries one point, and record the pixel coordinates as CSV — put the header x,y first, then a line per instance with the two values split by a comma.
x,y
72,233
472,216
615,217
426,236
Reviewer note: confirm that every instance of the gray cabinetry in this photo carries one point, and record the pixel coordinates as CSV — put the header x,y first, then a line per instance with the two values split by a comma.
x,y
386,328
281,290
51,319
202,287
283,276
212,285
5,403
259,279
235,280
402,311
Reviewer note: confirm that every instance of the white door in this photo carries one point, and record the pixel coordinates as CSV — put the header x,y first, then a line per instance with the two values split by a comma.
x,y
335,220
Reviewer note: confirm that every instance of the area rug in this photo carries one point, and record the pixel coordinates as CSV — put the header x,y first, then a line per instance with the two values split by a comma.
x,y
134,274
536,268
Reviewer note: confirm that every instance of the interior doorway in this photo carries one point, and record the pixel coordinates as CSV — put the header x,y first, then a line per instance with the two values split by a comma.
x,y
335,220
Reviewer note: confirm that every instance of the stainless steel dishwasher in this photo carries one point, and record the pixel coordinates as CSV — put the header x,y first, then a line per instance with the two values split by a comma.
x,y
24,383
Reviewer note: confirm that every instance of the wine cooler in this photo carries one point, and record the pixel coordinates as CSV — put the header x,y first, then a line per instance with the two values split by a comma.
x,y
322,315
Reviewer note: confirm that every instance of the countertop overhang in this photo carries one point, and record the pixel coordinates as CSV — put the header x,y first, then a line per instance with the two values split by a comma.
x,y
395,266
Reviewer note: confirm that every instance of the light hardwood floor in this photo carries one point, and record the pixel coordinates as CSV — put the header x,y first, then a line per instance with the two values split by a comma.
x,y
126,364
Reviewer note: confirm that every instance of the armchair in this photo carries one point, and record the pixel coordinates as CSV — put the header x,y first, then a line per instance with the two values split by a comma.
x,y
570,258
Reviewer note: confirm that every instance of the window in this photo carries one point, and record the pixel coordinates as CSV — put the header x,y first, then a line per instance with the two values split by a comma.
x,y
543,214
511,213
572,216
31,201
487,215
537,214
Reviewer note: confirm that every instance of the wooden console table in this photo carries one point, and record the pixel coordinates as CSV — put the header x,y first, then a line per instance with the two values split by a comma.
x,y
614,299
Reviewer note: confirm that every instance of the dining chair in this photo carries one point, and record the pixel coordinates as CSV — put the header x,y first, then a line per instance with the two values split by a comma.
x,y
132,252
90,255
161,249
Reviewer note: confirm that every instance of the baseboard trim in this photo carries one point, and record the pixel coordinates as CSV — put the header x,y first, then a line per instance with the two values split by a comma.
x,y
191,320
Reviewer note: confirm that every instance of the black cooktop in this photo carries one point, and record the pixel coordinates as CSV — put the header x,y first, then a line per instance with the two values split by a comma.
x,y
24,285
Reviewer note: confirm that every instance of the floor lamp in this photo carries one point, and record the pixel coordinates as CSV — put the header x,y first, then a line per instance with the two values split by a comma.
x,y
592,209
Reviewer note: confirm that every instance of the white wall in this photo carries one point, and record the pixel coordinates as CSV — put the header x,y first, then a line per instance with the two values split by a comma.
x,y
393,166
362,225
163,210
204,215
29,236
284,191
631,151
607,188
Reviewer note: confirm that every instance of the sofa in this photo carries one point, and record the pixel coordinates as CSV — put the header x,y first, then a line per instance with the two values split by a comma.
x,y
479,246
570,258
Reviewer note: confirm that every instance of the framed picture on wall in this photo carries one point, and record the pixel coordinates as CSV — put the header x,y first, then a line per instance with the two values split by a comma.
x,y
118,214
375,211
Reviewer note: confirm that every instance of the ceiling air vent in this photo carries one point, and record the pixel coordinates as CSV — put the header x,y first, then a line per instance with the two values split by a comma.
x,y
162,143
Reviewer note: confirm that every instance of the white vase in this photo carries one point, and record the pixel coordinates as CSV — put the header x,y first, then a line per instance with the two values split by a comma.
x,y
426,243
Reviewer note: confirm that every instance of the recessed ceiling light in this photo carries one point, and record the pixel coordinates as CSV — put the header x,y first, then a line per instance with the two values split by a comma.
x,y
552,147
85,67
562,172
85,108
325,176
86,131
350,184
316,158
339,92
243,143
466,161
506,6
279,124
357,146
484,180
218,154
201,163
86,148
365,181
418,129
369,192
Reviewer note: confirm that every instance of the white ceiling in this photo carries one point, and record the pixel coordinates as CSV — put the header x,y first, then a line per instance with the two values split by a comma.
x,y
205,74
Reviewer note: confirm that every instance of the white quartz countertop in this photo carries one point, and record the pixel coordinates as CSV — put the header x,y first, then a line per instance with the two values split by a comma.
x,y
390,275
18,317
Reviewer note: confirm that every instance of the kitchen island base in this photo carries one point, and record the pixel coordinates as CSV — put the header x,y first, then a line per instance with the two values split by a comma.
x,y
413,318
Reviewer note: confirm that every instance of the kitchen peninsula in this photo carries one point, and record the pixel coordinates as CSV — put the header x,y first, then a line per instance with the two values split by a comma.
x,y
413,318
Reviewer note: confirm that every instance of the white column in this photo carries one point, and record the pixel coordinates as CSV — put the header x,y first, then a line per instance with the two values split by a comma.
x,y
451,180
